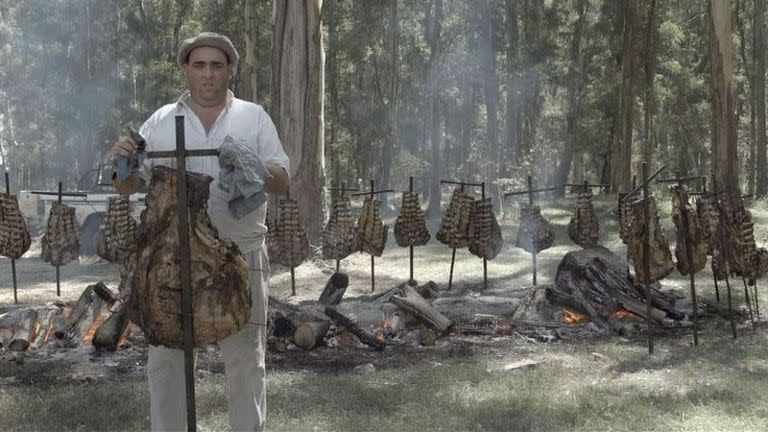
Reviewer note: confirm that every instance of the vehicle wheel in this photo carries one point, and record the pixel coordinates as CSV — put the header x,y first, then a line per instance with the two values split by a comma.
x,y
88,233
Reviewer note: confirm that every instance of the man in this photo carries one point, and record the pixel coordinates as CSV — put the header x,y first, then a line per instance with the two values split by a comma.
x,y
212,113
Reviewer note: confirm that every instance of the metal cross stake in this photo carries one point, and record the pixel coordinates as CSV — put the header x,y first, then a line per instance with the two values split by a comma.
x,y
585,185
453,253
530,191
716,245
688,252
59,194
371,193
410,277
721,245
341,190
13,261
293,272
181,153
647,243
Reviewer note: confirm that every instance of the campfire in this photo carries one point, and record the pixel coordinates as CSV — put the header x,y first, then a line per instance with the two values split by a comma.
x,y
68,326
594,285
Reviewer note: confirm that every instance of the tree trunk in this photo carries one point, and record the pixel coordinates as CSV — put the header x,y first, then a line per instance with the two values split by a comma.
x,y
574,102
650,73
724,149
297,103
749,66
467,119
248,83
622,154
390,142
333,146
434,110
514,91
758,91
491,89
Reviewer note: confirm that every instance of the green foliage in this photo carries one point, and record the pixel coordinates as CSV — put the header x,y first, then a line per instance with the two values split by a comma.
x,y
75,71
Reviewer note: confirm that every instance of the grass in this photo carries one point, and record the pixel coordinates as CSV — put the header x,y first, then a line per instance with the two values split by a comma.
x,y
717,387
600,384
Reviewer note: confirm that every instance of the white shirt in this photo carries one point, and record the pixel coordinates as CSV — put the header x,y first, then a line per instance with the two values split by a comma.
x,y
241,120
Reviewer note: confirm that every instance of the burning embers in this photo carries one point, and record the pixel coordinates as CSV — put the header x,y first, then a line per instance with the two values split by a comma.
x,y
59,325
594,285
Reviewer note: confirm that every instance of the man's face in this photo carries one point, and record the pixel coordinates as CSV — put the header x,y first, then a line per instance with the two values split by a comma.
x,y
208,73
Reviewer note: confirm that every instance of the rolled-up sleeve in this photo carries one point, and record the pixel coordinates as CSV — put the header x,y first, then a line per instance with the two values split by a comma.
x,y
145,171
270,149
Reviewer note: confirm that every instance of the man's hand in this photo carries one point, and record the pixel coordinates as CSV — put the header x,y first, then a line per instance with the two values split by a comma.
x,y
126,146
277,183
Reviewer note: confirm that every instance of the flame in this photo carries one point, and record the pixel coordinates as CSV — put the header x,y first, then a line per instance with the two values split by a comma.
x,y
92,331
381,328
572,318
623,313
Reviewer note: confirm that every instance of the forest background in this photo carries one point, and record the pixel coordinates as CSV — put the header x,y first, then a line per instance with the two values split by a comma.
x,y
479,90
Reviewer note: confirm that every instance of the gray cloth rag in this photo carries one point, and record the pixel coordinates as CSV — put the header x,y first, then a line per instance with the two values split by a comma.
x,y
125,166
242,175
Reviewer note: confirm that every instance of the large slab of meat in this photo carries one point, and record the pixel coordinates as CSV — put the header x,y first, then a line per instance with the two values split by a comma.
x,y
61,241
117,237
14,235
371,231
340,233
708,217
660,257
485,238
584,228
454,228
287,241
534,233
739,245
151,280
693,237
411,224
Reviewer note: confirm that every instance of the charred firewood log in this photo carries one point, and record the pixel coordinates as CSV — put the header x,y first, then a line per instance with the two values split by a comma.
x,y
659,256
371,231
340,234
411,225
288,244
625,218
117,237
584,228
454,228
485,238
535,233
61,241
150,283
694,235
14,235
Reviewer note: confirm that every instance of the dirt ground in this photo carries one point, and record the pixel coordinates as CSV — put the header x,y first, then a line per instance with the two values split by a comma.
x,y
509,279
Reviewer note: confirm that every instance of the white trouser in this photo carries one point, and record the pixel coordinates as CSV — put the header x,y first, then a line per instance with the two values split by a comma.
x,y
243,362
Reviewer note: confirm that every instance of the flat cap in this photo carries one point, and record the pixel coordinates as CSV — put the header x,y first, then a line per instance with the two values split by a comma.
x,y
208,39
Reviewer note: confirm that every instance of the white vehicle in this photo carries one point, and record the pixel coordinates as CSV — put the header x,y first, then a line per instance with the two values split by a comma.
x,y
89,209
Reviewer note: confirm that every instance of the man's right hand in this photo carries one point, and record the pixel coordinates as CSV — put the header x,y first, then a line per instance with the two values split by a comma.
x,y
125,146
